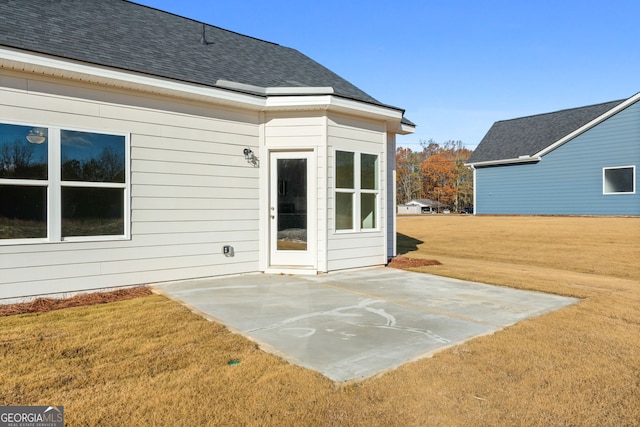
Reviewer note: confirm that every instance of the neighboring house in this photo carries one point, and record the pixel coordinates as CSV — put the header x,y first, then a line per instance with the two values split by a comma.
x,y
409,210
137,146
421,206
582,161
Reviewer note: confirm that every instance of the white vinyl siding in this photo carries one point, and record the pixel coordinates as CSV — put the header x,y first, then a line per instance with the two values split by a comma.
x,y
192,190
300,131
352,248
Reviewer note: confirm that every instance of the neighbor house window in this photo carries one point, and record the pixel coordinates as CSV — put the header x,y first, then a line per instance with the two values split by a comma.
x,y
58,184
619,180
357,191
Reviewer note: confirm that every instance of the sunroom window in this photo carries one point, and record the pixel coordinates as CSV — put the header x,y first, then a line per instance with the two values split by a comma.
x,y
619,180
357,191
58,184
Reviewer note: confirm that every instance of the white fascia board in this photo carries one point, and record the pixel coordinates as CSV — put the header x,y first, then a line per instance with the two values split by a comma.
x,y
290,90
521,159
332,103
321,98
589,125
405,129
47,65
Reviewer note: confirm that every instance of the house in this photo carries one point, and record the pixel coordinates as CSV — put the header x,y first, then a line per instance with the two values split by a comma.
x,y
581,161
409,209
138,146
421,206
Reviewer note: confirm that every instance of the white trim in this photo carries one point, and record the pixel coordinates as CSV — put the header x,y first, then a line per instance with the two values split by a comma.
x,y
291,260
589,125
74,70
405,129
521,159
284,90
274,98
633,180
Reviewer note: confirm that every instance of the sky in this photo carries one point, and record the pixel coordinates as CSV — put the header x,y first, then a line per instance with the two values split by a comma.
x,y
454,66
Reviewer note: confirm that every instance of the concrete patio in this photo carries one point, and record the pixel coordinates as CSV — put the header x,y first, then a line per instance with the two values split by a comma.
x,y
354,324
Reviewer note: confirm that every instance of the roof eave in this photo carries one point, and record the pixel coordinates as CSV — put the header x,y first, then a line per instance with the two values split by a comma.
x,y
589,125
253,98
518,160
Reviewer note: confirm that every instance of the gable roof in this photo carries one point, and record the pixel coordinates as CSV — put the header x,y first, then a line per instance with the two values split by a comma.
x,y
526,138
425,203
136,38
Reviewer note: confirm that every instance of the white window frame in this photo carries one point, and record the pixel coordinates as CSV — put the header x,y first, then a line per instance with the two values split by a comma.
x,y
604,180
54,185
356,193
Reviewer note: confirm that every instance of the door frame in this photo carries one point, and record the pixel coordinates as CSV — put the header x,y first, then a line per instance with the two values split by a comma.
x,y
291,262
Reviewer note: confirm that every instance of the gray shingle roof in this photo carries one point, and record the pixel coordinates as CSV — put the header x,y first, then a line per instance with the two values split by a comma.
x,y
525,136
132,37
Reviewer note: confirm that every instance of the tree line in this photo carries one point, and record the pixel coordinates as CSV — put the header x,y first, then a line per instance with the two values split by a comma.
x,y
437,172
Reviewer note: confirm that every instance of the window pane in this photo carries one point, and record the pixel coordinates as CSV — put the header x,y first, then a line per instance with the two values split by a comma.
x,y
92,211
344,169
23,212
344,211
368,172
368,210
23,152
92,157
618,180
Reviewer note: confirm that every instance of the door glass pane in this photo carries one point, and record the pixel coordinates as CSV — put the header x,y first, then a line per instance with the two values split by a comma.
x,y
368,171
344,169
292,204
344,211
23,212
368,210
92,211
23,152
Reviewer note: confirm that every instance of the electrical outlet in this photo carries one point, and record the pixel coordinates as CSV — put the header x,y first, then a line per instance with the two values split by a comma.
x,y
227,250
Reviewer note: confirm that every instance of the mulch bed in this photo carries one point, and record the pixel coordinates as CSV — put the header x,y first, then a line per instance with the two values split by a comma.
x,y
42,305
402,262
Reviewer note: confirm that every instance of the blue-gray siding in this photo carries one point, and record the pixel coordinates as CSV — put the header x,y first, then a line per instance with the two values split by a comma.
x,y
568,180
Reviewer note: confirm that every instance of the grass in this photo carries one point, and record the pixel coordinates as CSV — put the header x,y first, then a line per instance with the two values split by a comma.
x,y
149,361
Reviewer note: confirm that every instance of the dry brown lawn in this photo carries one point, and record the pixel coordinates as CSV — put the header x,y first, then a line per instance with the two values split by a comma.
x,y
149,361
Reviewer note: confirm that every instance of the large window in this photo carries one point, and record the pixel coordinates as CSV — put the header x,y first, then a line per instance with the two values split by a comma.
x,y
619,180
357,192
58,184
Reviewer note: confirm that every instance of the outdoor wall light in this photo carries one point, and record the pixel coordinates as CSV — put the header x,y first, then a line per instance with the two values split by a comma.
x,y
251,158
36,136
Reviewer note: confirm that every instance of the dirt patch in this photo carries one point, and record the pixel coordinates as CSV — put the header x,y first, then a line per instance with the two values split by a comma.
x,y
42,305
402,262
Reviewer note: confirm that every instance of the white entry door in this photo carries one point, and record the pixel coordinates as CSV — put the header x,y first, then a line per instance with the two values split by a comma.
x,y
292,209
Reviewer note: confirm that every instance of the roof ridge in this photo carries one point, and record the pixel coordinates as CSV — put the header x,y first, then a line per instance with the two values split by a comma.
x,y
618,101
200,22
